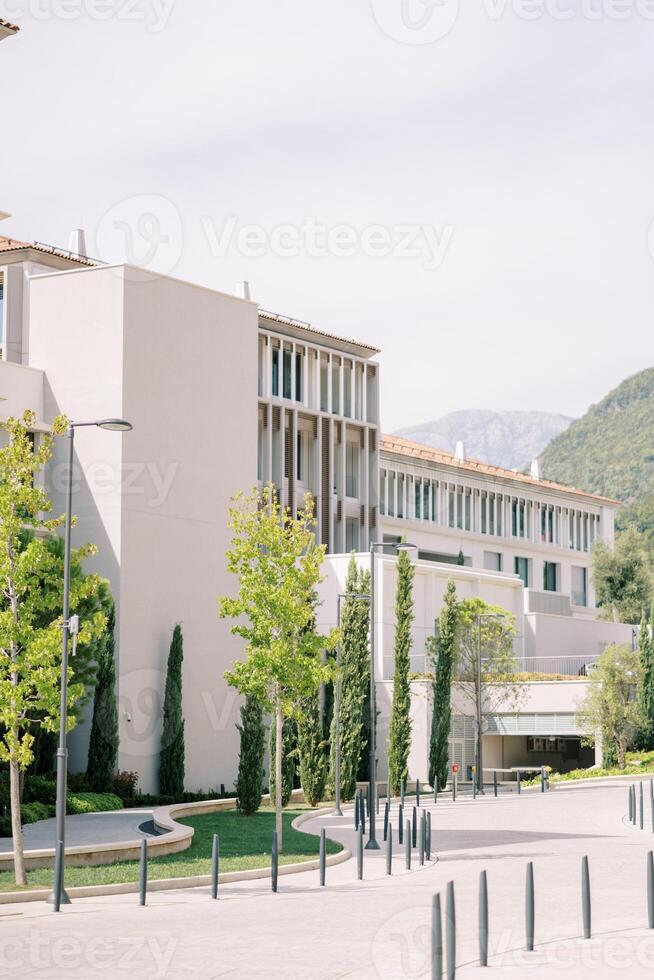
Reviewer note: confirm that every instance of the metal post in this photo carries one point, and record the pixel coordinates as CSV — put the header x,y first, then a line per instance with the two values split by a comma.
x,y
215,860
585,896
362,814
542,779
372,844
414,828
495,784
630,806
360,853
450,932
407,846
650,890
400,829
519,783
59,870
423,837
454,775
483,919
436,790
474,783
61,898
386,816
274,862
436,939
389,849
530,907
417,792
641,812
428,835
323,856
143,872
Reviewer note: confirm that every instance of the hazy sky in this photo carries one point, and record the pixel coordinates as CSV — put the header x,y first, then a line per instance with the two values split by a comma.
x,y
469,189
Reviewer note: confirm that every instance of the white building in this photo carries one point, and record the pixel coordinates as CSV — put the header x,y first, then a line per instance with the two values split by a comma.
x,y
223,395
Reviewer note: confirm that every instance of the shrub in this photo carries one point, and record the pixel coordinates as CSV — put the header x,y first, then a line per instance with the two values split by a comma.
x,y
39,789
125,784
92,802
31,812
252,730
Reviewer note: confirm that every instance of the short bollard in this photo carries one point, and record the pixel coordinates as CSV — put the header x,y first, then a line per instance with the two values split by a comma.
x,y
650,890
428,848
143,872
423,837
542,779
322,854
483,919
389,850
417,792
450,932
453,787
215,859
530,907
519,783
633,805
436,796
360,853
495,784
407,846
630,803
414,829
585,896
222,789
400,828
474,784
436,939
641,810
274,862
386,816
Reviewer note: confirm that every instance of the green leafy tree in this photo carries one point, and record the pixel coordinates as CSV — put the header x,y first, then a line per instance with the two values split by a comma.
x,y
354,684
277,563
622,577
249,782
399,736
171,759
312,751
646,693
103,740
288,763
445,655
612,707
30,652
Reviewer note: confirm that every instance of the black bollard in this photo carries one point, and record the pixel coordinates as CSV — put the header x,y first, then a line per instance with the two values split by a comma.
x,y
483,919
495,784
453,787
585,897
436,939
389,850
530,907
362,814
414,829
400,829
215,859
630,806
519,783
450,932
417,792
435,802
650,890
428,836
323,856
360,853
542,779
423,837
474,785
407,846
222,789
274,862
387,814
143,872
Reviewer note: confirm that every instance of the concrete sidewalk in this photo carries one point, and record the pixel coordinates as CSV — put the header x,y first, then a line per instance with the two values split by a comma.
x,y
84,828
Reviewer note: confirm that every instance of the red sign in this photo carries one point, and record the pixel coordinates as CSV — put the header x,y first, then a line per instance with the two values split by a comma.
x,y
455,769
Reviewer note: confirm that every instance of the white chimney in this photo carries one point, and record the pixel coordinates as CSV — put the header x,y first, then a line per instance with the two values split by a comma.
x,y
77,242
460,452
243,290
534,472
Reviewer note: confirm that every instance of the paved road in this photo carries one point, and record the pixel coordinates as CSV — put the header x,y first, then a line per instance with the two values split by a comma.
x,y
378,928
84,828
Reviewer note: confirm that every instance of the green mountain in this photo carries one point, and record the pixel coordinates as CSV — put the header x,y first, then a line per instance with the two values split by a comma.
x,y
610,451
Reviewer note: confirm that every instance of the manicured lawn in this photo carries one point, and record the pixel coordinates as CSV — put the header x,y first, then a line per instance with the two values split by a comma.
x,y
638,764
244,843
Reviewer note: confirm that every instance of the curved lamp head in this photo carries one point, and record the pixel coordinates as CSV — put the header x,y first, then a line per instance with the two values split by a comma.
x,y
115,425
405,546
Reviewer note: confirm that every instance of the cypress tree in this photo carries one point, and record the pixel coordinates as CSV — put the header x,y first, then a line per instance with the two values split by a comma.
x,y
171,760
442,689
249,782
103,741
400,725
354,685
646,649
311,750
289,759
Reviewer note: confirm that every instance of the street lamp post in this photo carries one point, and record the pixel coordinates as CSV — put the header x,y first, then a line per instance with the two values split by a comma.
x,y
69,627
375,546
479,776
337,699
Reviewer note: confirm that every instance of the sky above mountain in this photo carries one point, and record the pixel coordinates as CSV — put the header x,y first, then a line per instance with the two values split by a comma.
x,y
468,188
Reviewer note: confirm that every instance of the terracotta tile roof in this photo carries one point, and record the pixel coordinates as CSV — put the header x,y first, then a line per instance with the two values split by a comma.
x,y
416,450
11,28
12,245
302,325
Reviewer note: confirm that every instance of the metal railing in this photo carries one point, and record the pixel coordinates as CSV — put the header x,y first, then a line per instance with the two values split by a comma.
x,y
566,666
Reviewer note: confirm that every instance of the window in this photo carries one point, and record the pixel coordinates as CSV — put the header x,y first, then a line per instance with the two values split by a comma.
x,y
467,511
324,383
484,510
351,534
400,494
493,561
336,379
425,500
391,494
300,464
450,507
298,377
347,390
514,518
275,372
550,577
416,498
352,470
459,508
287,374
579,594
491,513
521,568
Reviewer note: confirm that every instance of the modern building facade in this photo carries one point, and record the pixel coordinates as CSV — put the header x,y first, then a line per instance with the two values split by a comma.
x,y
224,396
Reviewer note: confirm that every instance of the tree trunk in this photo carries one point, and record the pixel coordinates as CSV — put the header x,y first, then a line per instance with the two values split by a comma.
x,y
279,725
16,827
